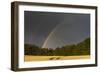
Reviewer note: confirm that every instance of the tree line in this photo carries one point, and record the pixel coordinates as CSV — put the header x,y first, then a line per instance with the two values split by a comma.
x,y
82,48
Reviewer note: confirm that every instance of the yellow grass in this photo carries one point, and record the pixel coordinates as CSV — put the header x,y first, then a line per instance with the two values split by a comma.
x,y
45,58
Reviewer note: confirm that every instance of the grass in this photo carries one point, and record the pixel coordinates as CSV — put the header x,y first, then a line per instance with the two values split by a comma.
x,y
46,58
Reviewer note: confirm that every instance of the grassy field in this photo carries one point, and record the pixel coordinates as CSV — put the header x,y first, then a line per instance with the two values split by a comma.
x,y
45,58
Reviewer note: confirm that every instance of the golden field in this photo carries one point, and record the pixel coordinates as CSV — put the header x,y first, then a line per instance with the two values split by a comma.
x,y
45,58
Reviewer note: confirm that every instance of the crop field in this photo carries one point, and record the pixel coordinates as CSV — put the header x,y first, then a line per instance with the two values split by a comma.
x,y
47,58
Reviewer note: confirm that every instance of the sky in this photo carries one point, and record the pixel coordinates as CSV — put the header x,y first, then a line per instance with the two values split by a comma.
x,y
52,30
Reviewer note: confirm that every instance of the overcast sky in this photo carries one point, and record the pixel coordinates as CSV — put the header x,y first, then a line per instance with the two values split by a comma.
x,y
51,30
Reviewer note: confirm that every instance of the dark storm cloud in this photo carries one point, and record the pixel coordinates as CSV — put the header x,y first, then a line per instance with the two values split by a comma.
x,y
38,25
74,31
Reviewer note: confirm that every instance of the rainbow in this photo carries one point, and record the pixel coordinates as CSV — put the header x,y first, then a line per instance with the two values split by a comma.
x,y
51,33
